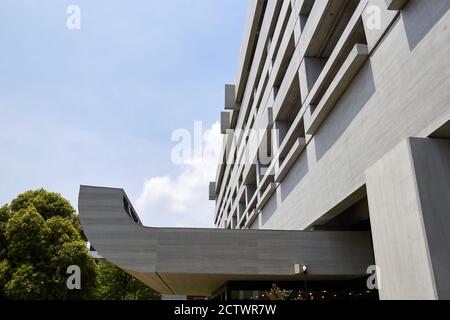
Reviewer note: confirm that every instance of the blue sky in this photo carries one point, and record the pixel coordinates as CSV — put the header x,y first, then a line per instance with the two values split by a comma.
x,y
98,105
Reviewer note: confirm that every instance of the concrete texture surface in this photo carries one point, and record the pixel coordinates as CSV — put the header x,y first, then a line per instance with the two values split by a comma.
x,y
201,261
409,199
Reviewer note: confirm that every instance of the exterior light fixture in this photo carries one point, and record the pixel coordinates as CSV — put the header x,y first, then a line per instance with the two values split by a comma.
x,y
300,269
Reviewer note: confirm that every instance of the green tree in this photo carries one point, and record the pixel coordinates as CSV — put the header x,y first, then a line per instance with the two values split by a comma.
x,y
115,284
25,235
48,204
26,283
39,239
5,275
4,217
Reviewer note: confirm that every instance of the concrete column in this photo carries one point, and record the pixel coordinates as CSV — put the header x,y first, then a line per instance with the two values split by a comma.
x,y
409,200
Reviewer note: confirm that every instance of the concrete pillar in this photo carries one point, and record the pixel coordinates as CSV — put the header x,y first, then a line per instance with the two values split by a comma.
x,y
409,201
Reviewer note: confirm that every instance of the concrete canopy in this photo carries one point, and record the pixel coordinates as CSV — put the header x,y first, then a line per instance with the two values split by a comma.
x,y
201,261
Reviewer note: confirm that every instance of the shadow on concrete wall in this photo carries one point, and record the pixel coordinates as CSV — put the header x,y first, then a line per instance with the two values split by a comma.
x,y
347,108
420,16
295,175
269,209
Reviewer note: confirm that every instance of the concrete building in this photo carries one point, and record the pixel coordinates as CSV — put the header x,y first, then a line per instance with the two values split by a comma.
x,y
336,157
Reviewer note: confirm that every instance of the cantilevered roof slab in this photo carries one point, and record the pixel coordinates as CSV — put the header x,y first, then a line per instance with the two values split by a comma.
x,y
201,261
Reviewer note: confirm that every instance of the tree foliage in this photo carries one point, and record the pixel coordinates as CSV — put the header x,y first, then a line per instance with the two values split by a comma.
x,y
48,204
25,234
115,284
4,217
26,283
40,237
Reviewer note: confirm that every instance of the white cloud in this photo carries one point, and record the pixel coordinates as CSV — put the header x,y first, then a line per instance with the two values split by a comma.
x,y
182,200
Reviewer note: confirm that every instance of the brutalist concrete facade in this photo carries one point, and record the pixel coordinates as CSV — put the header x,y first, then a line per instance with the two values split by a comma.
x,y
353,99
336,158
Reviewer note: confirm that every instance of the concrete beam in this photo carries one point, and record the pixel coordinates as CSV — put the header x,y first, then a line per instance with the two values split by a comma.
x,y
225,122
230,98
212,191
200,261
408,192
254,16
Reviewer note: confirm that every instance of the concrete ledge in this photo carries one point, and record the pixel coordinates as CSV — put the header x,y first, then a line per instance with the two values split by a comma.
x,y
337,54
212,191
251,217
254,16
230,94
248,87
349,69
252,201
290,159
265,197
262,95
224,122
287,85
277,34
